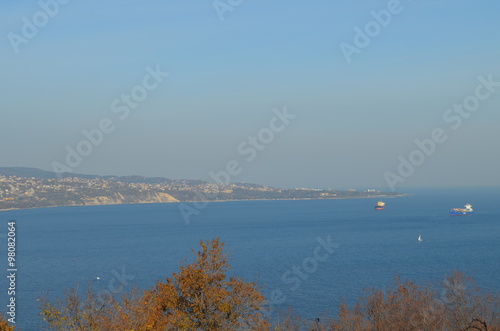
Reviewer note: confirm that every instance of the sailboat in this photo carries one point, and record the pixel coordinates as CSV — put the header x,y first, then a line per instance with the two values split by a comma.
x,y
420,238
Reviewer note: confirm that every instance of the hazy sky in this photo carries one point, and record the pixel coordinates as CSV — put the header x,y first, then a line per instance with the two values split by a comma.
x,y
356,101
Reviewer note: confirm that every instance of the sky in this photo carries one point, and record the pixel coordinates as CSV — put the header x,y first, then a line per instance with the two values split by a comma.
x,y
318,94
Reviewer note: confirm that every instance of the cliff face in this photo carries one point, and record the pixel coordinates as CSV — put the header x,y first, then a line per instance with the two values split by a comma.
x,y
45,190
103,198
121,198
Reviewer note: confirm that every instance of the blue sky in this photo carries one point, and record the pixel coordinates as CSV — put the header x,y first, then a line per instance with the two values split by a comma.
x,y
353,120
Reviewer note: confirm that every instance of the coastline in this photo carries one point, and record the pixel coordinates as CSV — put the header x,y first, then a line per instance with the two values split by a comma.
x,y
211,201
368,197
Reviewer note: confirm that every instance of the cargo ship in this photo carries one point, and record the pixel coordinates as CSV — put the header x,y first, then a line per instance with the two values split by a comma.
x,y
467,210
380,205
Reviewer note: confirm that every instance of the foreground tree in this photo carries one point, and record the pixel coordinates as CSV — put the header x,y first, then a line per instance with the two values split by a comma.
x,y
4,324
458,305
466,306
199,297
202,297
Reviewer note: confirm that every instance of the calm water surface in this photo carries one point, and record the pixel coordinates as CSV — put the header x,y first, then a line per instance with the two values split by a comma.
x,y
267,241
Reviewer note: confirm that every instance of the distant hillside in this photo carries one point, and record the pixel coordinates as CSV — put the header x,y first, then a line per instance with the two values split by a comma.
x,y
43,174
26,172
33,188
38,173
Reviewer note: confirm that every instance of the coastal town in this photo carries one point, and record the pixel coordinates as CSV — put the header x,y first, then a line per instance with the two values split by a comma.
x,y
25,191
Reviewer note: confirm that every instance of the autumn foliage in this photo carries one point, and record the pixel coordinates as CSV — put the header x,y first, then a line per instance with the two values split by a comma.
x,y
458,305
201,296
4,325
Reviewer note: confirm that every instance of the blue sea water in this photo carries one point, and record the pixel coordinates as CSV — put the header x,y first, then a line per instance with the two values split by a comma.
x,y
275,243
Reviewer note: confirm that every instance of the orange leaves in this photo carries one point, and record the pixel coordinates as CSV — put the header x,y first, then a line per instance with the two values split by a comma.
x,y
205,298
4,325
199,297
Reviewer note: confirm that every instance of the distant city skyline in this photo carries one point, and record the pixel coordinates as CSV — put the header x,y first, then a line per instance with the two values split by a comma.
x,y
372,94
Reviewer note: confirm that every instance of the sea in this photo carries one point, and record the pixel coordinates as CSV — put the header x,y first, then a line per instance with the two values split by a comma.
x,y
308,255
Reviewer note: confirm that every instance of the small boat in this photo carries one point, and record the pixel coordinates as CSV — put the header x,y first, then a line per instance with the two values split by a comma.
x,y
467,210
420,238
380,205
